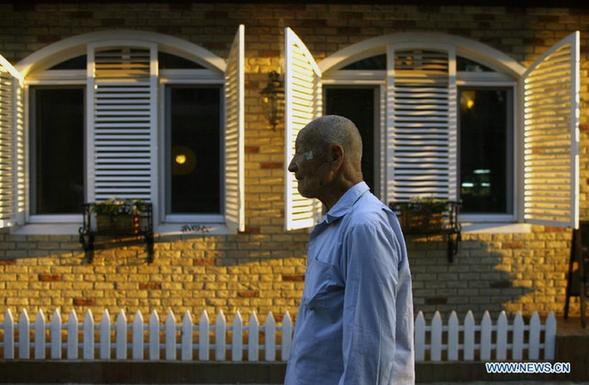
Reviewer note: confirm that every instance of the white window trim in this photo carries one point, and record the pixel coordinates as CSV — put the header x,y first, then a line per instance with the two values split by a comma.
x,y
339,78
33,69
485,81
379,157
174,223
335,76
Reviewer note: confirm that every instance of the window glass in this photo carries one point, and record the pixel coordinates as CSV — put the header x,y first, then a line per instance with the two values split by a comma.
x,y
359,105
467,65
378,62
76,63
57,166
485,148
169,61
194,157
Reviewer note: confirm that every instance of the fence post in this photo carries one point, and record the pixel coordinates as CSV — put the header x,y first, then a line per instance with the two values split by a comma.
x,y
534,353
469,336
436,337
486,329
220,328
154,336
24,339
518,337
121,336
170,326
8,335
253,344
453,337
72,336
286,336
237,341
419,337
138,348
502,336
549,337
203,337
105,336
55,327
88,336
270,337
40,335
187,337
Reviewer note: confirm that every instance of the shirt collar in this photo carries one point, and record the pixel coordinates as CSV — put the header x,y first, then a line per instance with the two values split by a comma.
x,y
345,203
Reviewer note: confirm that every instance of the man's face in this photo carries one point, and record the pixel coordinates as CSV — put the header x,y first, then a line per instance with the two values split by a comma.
x,y
309,167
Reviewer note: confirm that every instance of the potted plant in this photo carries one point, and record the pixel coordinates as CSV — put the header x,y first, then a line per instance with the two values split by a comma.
x,y
422,215
121,216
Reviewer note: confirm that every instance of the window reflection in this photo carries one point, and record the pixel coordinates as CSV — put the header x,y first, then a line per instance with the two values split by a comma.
x,y
485,160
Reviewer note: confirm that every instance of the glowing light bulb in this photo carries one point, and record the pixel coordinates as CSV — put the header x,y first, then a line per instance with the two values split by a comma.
x,y
470,103
180,158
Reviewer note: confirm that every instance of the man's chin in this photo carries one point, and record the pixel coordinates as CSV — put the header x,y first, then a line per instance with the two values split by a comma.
x,y
305,194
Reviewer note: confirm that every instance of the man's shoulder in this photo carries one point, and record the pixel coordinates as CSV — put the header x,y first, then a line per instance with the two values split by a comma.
x,y
368,212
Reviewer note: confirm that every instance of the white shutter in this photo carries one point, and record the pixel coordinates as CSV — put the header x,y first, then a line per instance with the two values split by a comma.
x,y
234,137
122,114
303,103
551,136
11,144
421,137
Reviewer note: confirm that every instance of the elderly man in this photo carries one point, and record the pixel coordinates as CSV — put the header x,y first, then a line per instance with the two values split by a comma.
x,y
355,322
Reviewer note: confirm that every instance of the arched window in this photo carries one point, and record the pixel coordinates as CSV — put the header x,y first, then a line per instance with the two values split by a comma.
x,y
130,115
447,117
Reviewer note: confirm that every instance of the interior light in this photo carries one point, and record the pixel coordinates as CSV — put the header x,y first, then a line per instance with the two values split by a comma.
x,y
469,103
467,184
180,158
482,171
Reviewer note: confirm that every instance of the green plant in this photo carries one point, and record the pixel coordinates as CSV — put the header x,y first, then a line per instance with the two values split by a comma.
x,y
431,205
114,206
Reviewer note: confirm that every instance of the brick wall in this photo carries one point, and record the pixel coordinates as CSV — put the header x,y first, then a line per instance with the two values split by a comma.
x,y
262,269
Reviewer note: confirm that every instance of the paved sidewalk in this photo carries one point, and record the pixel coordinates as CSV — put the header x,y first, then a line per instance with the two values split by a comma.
x,y
428,383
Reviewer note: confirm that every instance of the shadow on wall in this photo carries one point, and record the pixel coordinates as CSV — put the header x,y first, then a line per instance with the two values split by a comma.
x,y
485,275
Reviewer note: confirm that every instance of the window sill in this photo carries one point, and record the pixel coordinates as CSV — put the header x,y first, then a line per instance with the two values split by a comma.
x,y
47,229
495,228
165,229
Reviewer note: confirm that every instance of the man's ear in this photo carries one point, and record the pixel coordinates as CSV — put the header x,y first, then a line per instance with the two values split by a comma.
x,y
337,153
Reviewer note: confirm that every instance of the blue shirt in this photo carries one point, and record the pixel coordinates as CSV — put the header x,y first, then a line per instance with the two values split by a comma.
x,y
355,322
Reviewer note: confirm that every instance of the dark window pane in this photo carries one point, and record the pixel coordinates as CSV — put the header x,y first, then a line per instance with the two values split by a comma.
x,y
169,61
57,168
485,163
76,63
194,153
464,64
356,104
378,62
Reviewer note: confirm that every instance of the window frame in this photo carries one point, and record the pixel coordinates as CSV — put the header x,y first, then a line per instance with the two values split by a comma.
x,y
175,219
378,129
511,157
30,145
34,70
336,76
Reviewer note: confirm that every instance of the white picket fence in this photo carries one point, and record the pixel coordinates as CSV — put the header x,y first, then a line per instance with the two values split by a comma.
x,y
179,339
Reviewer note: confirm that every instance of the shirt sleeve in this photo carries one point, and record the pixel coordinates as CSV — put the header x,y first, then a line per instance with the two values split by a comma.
x,y
371,274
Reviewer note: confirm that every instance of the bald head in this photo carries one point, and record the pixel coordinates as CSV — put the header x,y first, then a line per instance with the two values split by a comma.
x,y
333,129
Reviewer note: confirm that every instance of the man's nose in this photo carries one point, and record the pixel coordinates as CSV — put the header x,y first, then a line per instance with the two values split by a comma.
x,y
292,167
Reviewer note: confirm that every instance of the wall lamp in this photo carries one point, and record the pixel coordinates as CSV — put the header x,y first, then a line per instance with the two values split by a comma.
x,y
273,99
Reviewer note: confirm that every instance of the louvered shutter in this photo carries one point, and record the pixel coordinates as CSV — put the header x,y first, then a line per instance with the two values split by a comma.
x,y
303,103
122,112
551,136
11,141
234,126
421,129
